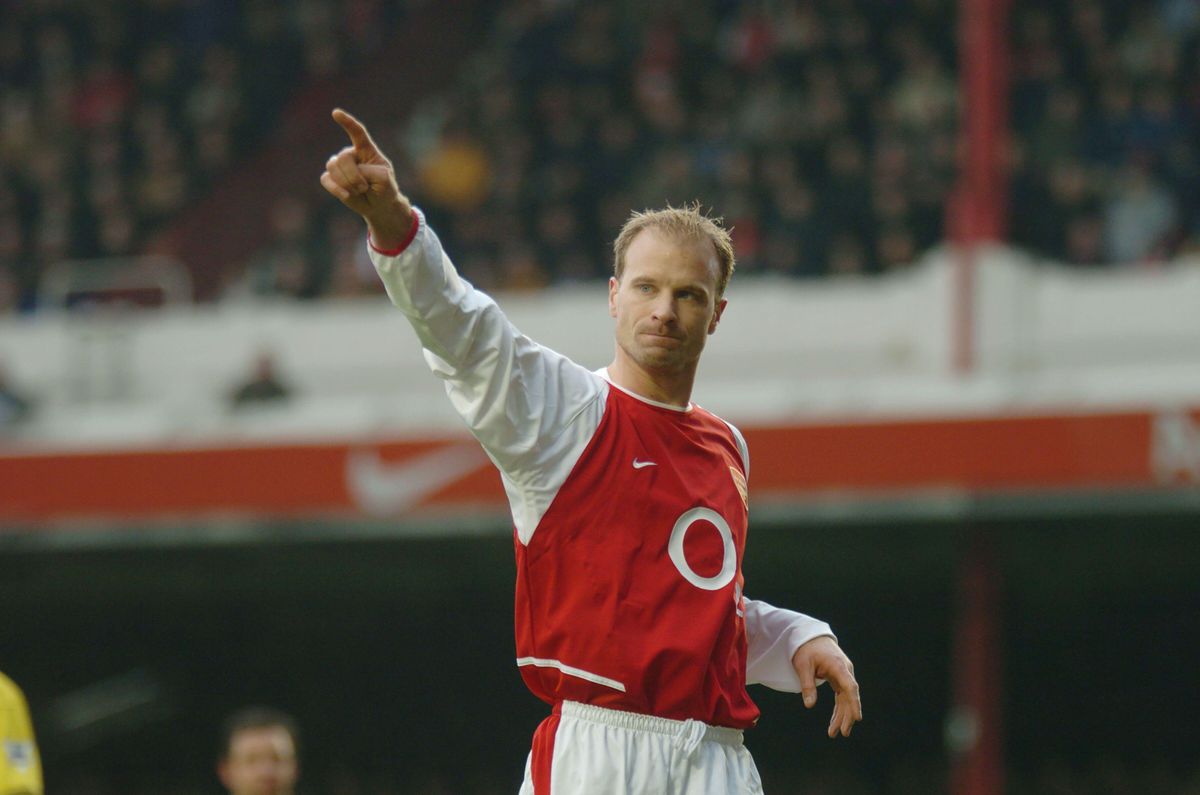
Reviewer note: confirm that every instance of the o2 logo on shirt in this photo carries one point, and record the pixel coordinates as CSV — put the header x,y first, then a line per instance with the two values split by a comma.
x,y
729,560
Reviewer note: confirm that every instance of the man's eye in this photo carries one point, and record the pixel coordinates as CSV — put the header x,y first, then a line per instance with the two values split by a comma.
x,y
643,288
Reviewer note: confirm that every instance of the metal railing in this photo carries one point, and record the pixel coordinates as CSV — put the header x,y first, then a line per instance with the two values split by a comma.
x,y
104,299
119,282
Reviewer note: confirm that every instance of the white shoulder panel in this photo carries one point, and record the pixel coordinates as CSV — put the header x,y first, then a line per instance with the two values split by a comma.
x,y
533,410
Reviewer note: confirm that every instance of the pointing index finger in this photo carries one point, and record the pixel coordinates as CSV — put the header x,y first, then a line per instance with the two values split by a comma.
x,y
363,145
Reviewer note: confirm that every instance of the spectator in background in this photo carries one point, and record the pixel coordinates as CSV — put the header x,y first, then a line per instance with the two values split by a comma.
x,y
294,260
8,290
259,753
895,248
12,253
352,271
264,385
1085,240
457,173
1139,217
14,406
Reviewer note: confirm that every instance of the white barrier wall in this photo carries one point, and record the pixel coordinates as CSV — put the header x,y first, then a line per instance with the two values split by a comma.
x,y
1048,338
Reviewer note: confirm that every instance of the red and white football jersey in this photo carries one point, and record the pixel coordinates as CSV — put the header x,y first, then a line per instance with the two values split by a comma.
x,y
629,594
629,516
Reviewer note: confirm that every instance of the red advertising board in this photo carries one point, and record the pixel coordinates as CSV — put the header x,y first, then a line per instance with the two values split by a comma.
x,y
393,477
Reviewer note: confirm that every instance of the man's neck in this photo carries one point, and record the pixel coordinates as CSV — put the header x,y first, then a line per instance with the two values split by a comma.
x,y
672,388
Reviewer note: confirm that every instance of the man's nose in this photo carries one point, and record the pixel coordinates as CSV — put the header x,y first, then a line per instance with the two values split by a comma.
x,y
664,309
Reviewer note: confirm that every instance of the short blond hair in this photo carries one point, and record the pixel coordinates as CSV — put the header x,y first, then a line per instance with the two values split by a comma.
x,y
679,223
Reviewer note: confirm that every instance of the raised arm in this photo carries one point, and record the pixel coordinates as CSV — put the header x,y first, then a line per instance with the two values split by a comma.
x,y
363,179
532,409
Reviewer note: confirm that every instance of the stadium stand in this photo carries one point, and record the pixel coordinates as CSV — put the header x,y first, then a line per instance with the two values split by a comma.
x,y
824,131
1106,112
118,117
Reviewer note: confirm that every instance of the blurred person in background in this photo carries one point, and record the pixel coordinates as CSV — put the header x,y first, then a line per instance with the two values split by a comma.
x,y
290,264
264,384
8,291
1139,216
644,657
14,406
20,767
259,753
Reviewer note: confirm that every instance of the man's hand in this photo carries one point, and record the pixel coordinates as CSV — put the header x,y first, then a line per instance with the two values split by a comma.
x,y
822,658
364,180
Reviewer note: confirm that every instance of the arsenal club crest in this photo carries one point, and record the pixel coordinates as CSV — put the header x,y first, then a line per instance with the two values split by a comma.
x,y
739,480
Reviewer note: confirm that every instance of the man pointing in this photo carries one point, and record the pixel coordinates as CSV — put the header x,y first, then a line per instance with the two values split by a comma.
x,y
628,501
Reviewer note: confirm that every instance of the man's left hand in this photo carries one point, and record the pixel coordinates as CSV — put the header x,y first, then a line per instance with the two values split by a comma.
x,y
823,658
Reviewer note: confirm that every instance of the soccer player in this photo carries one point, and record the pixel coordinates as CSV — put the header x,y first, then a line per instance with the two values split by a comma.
x,y
20,767
258,753
629,621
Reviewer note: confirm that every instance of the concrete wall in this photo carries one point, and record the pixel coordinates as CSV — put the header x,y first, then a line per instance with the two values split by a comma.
x,y
1047,338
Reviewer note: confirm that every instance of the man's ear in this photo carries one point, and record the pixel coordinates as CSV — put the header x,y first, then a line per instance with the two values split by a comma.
x,y
613,287
716,318
223,772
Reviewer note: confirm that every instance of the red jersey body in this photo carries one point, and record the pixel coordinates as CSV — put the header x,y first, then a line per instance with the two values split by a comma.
x,y
629,516
629,595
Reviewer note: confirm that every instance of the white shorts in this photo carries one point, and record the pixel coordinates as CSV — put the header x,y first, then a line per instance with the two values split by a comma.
x,y
587,750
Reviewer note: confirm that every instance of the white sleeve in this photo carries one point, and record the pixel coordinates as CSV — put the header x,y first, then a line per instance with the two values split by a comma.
x,y
773,635
532,409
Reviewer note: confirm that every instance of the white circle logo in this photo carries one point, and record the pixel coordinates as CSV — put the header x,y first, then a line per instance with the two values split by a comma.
x,y
675,548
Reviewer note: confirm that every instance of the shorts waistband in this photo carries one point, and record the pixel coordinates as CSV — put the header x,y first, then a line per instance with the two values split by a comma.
x,y
636,721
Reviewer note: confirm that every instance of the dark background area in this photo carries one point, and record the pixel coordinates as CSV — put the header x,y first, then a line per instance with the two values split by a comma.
x,y
397,654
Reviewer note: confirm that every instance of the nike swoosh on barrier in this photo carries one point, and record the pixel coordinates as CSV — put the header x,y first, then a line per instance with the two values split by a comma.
x,y
642,464
381,488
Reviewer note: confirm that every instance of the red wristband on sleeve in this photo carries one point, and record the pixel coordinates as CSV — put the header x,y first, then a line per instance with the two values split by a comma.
x,y
398,250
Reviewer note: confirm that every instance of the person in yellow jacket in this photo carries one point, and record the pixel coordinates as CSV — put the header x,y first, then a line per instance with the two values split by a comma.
x,y
20,768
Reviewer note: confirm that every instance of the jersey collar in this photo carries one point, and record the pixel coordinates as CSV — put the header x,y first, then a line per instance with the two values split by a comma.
x,y
603,373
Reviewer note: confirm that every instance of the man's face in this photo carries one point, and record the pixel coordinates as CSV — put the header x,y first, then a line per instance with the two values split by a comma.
x,y
261,761
665,303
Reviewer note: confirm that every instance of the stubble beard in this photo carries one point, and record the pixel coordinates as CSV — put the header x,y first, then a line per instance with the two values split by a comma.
x,y
655,359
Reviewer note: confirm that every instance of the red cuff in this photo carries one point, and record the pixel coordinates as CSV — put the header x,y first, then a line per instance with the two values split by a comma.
x,y
398,250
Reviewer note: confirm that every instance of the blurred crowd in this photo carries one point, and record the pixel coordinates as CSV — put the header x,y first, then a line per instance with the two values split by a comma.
x,y
1106,107
823,131
114,116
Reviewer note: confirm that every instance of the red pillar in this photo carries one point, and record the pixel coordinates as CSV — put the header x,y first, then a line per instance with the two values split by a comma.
x,y
977,213
978,209
974,729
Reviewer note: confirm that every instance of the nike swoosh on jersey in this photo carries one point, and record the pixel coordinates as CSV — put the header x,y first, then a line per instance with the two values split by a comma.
x,y
643,464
